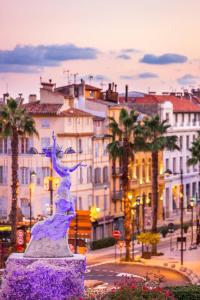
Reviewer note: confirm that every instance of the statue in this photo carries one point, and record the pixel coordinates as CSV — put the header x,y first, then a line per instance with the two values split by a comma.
x,y
49,238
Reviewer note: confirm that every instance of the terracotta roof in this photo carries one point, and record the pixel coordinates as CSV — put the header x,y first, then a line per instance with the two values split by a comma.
x,y
74,112
179,104
37,108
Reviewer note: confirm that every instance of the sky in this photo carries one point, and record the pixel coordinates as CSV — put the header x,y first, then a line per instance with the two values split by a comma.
x,y
147,44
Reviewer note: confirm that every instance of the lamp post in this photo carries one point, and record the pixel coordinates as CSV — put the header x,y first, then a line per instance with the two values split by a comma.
x,y
169,172
138,202
32,174
130,197
104,211
191,206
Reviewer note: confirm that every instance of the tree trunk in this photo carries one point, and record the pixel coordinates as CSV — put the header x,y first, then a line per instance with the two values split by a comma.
x,y
13,214
154,196
127,208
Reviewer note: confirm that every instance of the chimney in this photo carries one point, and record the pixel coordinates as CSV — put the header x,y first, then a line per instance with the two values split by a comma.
x,y
48,85
32,98
109,86
126,93
115,88
113,84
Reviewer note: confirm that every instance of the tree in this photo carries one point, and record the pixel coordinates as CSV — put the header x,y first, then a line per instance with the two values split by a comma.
x,y
15,122
195,152
121,147
151,136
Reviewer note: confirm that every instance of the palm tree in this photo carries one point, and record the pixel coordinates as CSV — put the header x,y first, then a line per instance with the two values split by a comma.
x,y
151,137
121,147
15,123
195,152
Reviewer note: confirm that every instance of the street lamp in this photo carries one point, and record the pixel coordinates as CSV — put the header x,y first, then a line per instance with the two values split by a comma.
x,y
104,210
31,186
168,172
191,206
130,197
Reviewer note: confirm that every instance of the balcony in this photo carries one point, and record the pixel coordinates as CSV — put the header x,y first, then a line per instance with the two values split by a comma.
x,y
117,195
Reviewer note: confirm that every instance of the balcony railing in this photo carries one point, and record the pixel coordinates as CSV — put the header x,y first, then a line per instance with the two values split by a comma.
x,y
118,195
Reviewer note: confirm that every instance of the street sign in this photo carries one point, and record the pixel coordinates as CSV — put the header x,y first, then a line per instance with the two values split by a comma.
x,y
171,227
116,234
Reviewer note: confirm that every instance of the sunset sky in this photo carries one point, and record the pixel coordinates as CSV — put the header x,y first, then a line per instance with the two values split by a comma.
x,y
148,44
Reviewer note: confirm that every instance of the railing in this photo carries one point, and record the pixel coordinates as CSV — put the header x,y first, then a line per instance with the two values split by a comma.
x,y
118,195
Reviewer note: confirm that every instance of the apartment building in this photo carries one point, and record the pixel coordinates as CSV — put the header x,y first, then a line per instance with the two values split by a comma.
x,y
184,118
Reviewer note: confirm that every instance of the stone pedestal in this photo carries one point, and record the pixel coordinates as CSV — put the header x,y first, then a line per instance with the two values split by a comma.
x,y
43,278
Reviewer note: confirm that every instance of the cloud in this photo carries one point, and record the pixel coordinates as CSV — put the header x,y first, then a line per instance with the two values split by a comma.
x,y
42,56
167,58
143,75
146,75
130,50
188,79
19,69
126,77
124,56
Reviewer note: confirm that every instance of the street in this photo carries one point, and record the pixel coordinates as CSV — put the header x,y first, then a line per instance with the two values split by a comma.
x,y
101,266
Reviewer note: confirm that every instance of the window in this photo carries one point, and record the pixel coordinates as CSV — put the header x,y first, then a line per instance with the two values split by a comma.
x,y
45,123
167,164
24,175
143,170
24,145
80,150
189,119
105,151
176,119
183,120
25,207
193,137
1,174
188,142
105,203
97,175
45,142
194,189
194,120
150,168
96,149
167,117
89,174
137,170
3,208
80,175
97,201
181,163
181,142
90,201
105,174
174,165
188,168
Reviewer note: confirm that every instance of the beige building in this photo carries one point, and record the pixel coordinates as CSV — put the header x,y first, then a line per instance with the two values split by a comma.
x,y
84,132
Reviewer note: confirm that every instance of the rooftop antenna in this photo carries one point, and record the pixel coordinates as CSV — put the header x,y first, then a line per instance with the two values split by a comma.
x,y
102,84
75,76
68,75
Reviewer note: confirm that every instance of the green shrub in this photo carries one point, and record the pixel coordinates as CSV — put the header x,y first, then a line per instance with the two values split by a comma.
x,y
189,292
104,243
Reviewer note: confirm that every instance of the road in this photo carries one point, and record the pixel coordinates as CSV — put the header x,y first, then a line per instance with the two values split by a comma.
x,y
101,266
111,272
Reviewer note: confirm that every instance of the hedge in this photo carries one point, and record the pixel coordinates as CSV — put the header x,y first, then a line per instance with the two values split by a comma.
x,y
104,243
189,292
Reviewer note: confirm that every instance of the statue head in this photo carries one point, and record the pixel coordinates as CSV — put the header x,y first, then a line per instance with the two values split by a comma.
x,y
63,206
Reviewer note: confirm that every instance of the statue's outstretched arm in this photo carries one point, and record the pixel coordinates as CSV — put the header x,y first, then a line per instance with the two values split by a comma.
x,y
55,164
76,166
